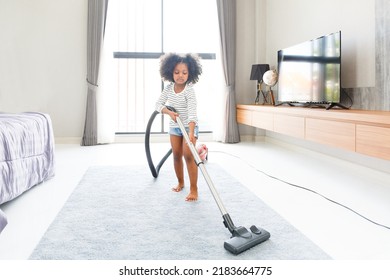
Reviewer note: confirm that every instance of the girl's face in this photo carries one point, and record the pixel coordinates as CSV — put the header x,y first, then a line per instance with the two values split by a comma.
x,y
180,73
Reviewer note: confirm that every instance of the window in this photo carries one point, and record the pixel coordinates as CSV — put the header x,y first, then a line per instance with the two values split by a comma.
x,y
137,33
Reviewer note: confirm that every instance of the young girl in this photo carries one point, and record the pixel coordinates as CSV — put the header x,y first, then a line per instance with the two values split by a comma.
x,y
182,72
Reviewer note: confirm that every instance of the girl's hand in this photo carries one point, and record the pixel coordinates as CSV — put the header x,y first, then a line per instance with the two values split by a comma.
x,y
191,133
173,115
192,138
170,113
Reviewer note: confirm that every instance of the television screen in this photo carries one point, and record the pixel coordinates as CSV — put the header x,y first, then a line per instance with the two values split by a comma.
x,y
311,71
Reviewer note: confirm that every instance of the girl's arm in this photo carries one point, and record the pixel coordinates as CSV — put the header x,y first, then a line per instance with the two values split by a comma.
x,y
191,133
160,104
192,106
192,113
170,113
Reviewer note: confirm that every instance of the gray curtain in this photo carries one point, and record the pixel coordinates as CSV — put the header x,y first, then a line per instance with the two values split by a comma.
x,y
227,30
97,11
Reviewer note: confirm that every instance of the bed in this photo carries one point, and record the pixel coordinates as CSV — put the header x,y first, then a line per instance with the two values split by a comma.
x,y
26,153
3,221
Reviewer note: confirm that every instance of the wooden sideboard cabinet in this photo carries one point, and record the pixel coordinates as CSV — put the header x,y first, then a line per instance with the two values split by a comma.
x,y
361,131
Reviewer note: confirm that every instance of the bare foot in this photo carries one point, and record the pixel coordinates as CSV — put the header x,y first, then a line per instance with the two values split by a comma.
x,y
192,196
178,188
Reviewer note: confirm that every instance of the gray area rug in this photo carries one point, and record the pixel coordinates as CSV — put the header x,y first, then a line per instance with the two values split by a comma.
x,y
123,213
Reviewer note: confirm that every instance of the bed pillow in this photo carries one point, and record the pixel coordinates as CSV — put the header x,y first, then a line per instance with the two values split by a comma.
x,y
3,221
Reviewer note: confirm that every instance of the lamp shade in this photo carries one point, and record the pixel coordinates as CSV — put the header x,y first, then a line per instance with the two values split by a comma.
x,y
258,71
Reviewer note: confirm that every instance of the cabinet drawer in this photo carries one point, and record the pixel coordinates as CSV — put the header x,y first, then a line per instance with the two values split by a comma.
x,y
373,141
263,120
333,133
244,117
290,125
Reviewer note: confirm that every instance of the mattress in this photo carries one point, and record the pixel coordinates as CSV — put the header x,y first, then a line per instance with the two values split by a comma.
x,y
26,152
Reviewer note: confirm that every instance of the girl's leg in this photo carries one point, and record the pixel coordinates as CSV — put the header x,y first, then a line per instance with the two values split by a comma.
x,y
192,169
177,151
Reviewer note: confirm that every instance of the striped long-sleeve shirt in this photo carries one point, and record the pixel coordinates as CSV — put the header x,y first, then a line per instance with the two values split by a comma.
x,y
184,102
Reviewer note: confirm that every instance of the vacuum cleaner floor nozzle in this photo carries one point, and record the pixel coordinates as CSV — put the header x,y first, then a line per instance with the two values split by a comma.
x,y
239,244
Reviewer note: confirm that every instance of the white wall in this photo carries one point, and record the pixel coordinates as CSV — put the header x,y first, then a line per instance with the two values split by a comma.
x,y
43,49
293,21
290,22
246,51
43,60
246,55
266,26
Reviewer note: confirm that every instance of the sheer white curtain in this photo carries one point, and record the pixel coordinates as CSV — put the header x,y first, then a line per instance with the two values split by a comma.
x,y
106,97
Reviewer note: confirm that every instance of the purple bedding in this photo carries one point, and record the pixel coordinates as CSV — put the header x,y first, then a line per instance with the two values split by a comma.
x,y
26,152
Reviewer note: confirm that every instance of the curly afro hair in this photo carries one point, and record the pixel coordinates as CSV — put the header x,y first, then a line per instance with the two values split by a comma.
x,y
169,61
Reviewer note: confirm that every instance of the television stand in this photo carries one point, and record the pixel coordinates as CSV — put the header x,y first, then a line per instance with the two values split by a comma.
x,y
331,105
292,104
325,105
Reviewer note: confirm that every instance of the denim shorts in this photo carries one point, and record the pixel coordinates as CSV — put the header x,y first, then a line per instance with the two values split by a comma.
x,y
176,131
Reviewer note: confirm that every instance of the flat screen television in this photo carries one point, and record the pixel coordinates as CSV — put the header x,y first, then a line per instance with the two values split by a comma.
x,y
310,72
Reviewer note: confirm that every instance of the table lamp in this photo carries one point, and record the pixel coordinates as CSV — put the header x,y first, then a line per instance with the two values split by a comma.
x,y
257,73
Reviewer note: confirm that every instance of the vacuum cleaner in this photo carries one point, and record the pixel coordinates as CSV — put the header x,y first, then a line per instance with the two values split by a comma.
x,y
242,239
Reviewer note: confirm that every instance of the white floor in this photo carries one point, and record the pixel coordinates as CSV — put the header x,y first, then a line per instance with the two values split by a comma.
x,y
343,234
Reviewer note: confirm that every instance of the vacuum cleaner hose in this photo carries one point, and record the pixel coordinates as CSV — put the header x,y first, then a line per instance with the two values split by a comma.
x,y
155,170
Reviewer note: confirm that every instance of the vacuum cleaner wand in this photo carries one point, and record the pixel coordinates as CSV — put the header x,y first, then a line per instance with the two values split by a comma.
x,y
242,239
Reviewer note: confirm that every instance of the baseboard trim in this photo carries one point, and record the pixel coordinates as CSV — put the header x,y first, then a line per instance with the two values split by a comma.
x,y
67,140
155,138
252,138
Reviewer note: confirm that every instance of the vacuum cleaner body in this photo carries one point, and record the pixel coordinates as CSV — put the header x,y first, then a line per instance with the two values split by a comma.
x,y
202,152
